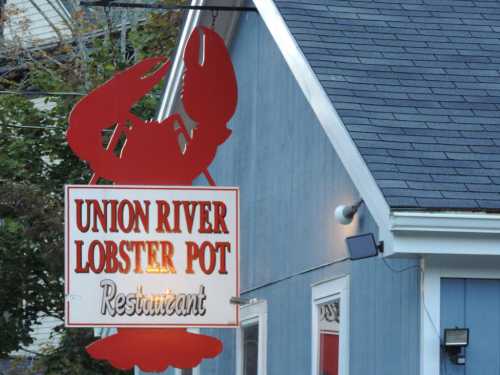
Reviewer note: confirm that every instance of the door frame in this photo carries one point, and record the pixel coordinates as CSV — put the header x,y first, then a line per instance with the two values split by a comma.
x,y
435,268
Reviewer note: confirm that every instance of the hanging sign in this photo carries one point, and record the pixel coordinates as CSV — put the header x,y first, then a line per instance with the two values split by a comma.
x,y
154,256
151,256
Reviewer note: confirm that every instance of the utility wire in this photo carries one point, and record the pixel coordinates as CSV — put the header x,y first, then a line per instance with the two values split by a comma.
x,y
30,126
48,127
421,271
424,305
117,4
46,93
396,270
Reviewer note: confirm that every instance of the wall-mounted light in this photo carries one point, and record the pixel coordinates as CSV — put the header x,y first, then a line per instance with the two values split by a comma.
x,y
455,342
363,246
344,214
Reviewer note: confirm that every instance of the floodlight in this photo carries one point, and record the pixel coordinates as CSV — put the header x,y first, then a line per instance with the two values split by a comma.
x,y
455,340
363,246
456,337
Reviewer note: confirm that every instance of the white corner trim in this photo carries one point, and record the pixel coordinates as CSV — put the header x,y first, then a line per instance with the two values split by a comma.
x,y
326,114
325,291
444,233
254,313
430,305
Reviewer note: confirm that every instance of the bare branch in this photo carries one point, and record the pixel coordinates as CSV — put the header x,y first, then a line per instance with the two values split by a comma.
x,y
31,352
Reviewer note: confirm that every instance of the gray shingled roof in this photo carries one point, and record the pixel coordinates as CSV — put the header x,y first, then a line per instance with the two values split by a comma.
x,y
417,84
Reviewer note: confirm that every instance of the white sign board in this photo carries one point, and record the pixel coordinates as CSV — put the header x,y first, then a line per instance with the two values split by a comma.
x,y
151,256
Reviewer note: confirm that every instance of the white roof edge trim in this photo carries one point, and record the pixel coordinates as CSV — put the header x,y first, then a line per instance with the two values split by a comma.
x,y
462,222
444,233
326,114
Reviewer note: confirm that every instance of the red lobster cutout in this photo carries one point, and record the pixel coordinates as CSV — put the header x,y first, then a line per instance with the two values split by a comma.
x,y
151,155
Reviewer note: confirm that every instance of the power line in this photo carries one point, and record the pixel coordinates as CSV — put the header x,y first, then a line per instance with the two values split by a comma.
x,y
108,4
31,126
41,93
48,127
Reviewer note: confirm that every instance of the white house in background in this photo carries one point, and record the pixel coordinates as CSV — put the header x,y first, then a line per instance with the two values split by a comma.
x,y
39,22
43,334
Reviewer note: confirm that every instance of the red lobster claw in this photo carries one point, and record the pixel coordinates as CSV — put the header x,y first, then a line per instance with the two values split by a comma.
x,y
135,82
209,92
107,105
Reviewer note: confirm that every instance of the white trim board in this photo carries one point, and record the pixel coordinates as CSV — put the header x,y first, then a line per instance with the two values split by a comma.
x,y
325,291
434,269
254,313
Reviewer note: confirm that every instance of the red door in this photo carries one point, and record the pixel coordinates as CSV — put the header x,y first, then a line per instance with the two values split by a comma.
x,y
329,353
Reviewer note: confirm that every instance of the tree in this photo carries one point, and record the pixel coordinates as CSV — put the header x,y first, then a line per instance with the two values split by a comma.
x,y
35,163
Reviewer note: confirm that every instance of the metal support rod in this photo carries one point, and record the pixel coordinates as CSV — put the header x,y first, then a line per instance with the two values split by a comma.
x,y
117,4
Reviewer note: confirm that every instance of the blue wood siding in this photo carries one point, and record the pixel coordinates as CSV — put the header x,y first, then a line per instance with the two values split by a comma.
x,y
474,304
385,317
291,180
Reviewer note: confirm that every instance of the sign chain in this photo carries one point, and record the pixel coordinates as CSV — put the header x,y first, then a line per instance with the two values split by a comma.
x,y
215,13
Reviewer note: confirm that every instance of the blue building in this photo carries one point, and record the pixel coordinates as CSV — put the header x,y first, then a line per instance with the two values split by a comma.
x,y
392,102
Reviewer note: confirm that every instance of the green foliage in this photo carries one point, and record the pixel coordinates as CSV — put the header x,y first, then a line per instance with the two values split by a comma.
x,y
35,164
70,357
31,262
156,35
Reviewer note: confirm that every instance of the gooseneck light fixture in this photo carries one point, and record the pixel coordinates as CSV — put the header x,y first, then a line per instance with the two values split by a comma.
x,y
344,214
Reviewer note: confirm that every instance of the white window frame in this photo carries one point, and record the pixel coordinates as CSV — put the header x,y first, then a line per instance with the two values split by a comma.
x,y
252,314
322,292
